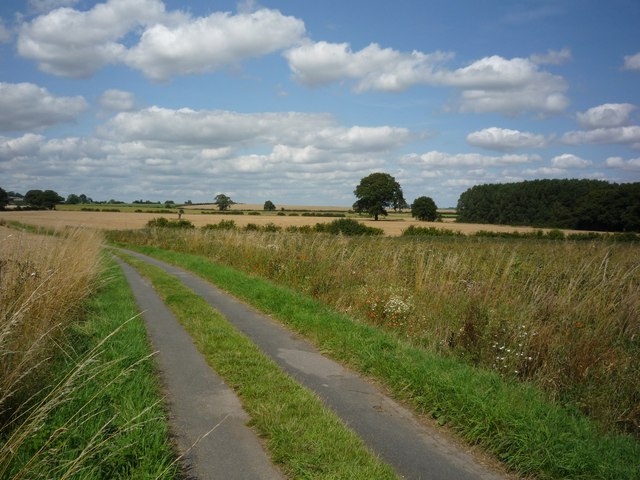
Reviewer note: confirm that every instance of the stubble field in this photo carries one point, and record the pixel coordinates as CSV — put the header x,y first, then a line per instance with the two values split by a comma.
x,y
393,225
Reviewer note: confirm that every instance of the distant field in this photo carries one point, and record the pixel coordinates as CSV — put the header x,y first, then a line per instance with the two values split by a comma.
x,y
392,225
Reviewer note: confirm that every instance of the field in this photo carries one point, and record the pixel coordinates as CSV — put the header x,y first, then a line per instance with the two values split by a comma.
x,y
564,315
393,225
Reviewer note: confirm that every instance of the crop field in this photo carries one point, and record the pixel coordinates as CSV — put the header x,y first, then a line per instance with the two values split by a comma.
x,y
393,225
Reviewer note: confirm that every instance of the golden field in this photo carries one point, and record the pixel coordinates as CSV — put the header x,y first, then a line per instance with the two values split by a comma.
x,y
393,225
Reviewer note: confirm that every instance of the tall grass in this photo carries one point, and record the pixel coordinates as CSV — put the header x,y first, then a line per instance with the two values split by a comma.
x,y
78,397
43,282
565,316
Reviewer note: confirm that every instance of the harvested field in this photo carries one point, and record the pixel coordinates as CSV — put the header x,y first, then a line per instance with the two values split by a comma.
x,y
392,226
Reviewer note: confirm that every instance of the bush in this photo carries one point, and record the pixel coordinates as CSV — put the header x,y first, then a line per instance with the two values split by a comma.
x,y
162,222
347,226
221,225
430,232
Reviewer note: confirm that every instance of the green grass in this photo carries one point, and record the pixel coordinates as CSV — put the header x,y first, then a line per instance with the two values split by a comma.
x,y
101,416
304,438
511,420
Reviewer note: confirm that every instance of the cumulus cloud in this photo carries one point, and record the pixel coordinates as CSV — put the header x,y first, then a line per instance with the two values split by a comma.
x,y
5,33
117,101
628,134
470,160
552,57
503,139
491,84
606,116
94,42
25,106
41,6
544,172
164,43
618,162
219,128
568,160
208,43
15,148
632,62
373,67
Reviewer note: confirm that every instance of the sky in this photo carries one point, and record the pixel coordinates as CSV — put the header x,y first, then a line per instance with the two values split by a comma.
x,y
295,101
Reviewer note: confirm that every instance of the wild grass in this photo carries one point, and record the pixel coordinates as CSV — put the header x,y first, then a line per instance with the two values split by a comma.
x,y
532,436
305,438
43,280
564,316
78,391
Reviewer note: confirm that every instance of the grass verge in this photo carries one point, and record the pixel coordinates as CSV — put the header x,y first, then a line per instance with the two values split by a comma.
x,y
511,420
304,438
101,417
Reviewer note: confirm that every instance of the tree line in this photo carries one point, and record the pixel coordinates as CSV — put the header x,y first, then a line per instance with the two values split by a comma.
x,y
572,204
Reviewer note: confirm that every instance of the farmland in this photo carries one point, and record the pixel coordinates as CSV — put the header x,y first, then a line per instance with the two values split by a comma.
x,y
393,225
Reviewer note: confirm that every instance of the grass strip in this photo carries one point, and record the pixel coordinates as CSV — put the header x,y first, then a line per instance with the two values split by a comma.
x,y
305,438
102,415
511,420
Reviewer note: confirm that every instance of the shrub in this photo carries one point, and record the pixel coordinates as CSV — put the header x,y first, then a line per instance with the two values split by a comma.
x,y
347,226
430,232
221,225
162,222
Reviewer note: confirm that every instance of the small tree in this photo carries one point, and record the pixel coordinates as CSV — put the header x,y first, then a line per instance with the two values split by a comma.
x,y
376,193
73,199
223,202
424,208
269,206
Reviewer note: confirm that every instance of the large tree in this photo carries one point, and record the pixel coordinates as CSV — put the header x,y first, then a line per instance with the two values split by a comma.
x,y
424,208
39,199
223,202
377,192
269,206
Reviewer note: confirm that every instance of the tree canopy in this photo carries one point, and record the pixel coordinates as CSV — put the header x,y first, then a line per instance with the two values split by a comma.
x,y
575,204
42,199
223,202
269,206
425,209
376,193
4,198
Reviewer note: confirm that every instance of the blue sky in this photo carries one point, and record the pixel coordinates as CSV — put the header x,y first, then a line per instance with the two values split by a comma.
x,y
295,101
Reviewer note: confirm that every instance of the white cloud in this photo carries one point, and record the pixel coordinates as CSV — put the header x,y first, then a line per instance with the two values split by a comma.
x,y
41,6
470,160
93,44
619,162
503,139
218,128
629,134
25,106
5,33
606,115
12,148
117,100
568,160
373,67
552,57
208,43
632,62
168,44
544,172
491,84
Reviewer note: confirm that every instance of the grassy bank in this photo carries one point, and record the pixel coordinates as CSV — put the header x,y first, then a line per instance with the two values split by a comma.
x,y
304,438
564,316
79,399
513,421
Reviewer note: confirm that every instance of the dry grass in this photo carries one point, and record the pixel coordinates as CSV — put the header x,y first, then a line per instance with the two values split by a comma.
x,y
393,225
563,315
43,281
